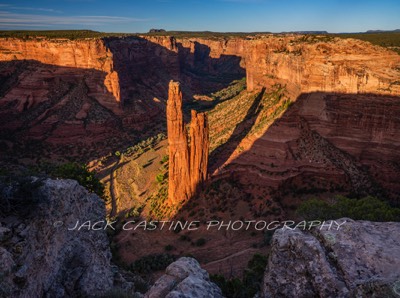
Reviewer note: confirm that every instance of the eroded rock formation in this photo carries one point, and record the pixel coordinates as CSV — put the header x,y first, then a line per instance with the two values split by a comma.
x,y
184,278
358,260
199,146
39,256
308,64
86,92
179,186
320,143
187,165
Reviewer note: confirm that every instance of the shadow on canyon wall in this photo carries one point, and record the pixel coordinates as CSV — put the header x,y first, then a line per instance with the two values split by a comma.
x,y
41,102
323,144
221,154
145,68
81,112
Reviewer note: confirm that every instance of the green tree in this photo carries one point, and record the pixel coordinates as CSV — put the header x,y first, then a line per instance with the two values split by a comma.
x,y
81,174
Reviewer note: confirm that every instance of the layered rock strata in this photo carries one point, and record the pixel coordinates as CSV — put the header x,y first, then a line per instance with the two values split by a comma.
x,y
327,142
309,64
187,165
124,80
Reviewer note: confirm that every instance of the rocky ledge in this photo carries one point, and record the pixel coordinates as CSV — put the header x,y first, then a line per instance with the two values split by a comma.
x,y
45,252
39,256
184,278
361,259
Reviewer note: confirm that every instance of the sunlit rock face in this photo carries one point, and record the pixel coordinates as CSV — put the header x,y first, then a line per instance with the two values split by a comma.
x,y
308,64
187,164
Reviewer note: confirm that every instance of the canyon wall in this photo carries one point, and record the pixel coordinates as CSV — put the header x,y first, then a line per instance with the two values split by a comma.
x,y
324,143
187,165
86,54
133,64
95,91
312,63
303,63
339,134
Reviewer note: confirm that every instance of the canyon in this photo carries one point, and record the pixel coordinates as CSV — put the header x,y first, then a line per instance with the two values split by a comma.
x,y
100,93
273,120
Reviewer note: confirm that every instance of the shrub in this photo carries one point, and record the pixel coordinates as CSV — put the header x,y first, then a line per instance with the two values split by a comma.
x,y
368,208
268,237
169,247
249,286
152,263
231,288
160,178
184,238
315,209
81,174
200,242
254,274
164,159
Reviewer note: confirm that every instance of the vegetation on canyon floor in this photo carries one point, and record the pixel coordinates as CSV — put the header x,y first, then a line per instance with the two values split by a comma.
x,y
250,283
70,170
152,263
367,208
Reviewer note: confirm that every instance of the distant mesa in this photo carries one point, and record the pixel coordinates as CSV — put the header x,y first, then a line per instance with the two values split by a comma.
x,y
305,32
382,31
157,30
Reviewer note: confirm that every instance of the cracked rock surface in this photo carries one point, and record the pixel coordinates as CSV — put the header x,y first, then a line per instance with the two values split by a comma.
x,y
39,256
361,259
184,278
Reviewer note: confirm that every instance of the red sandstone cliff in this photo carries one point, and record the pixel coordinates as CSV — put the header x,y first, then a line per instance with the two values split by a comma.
x,y
308,64
187,165
93,90
179,179
86,54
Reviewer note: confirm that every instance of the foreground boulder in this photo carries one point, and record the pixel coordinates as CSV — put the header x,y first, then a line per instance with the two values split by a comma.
x,y
184,278
39,256
361,259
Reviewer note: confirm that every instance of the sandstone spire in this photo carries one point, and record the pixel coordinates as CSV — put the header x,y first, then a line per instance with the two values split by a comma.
x,y
187,166
199,145
179,179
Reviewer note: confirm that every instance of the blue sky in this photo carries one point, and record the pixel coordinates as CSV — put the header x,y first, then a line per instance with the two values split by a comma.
x,y
197,15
